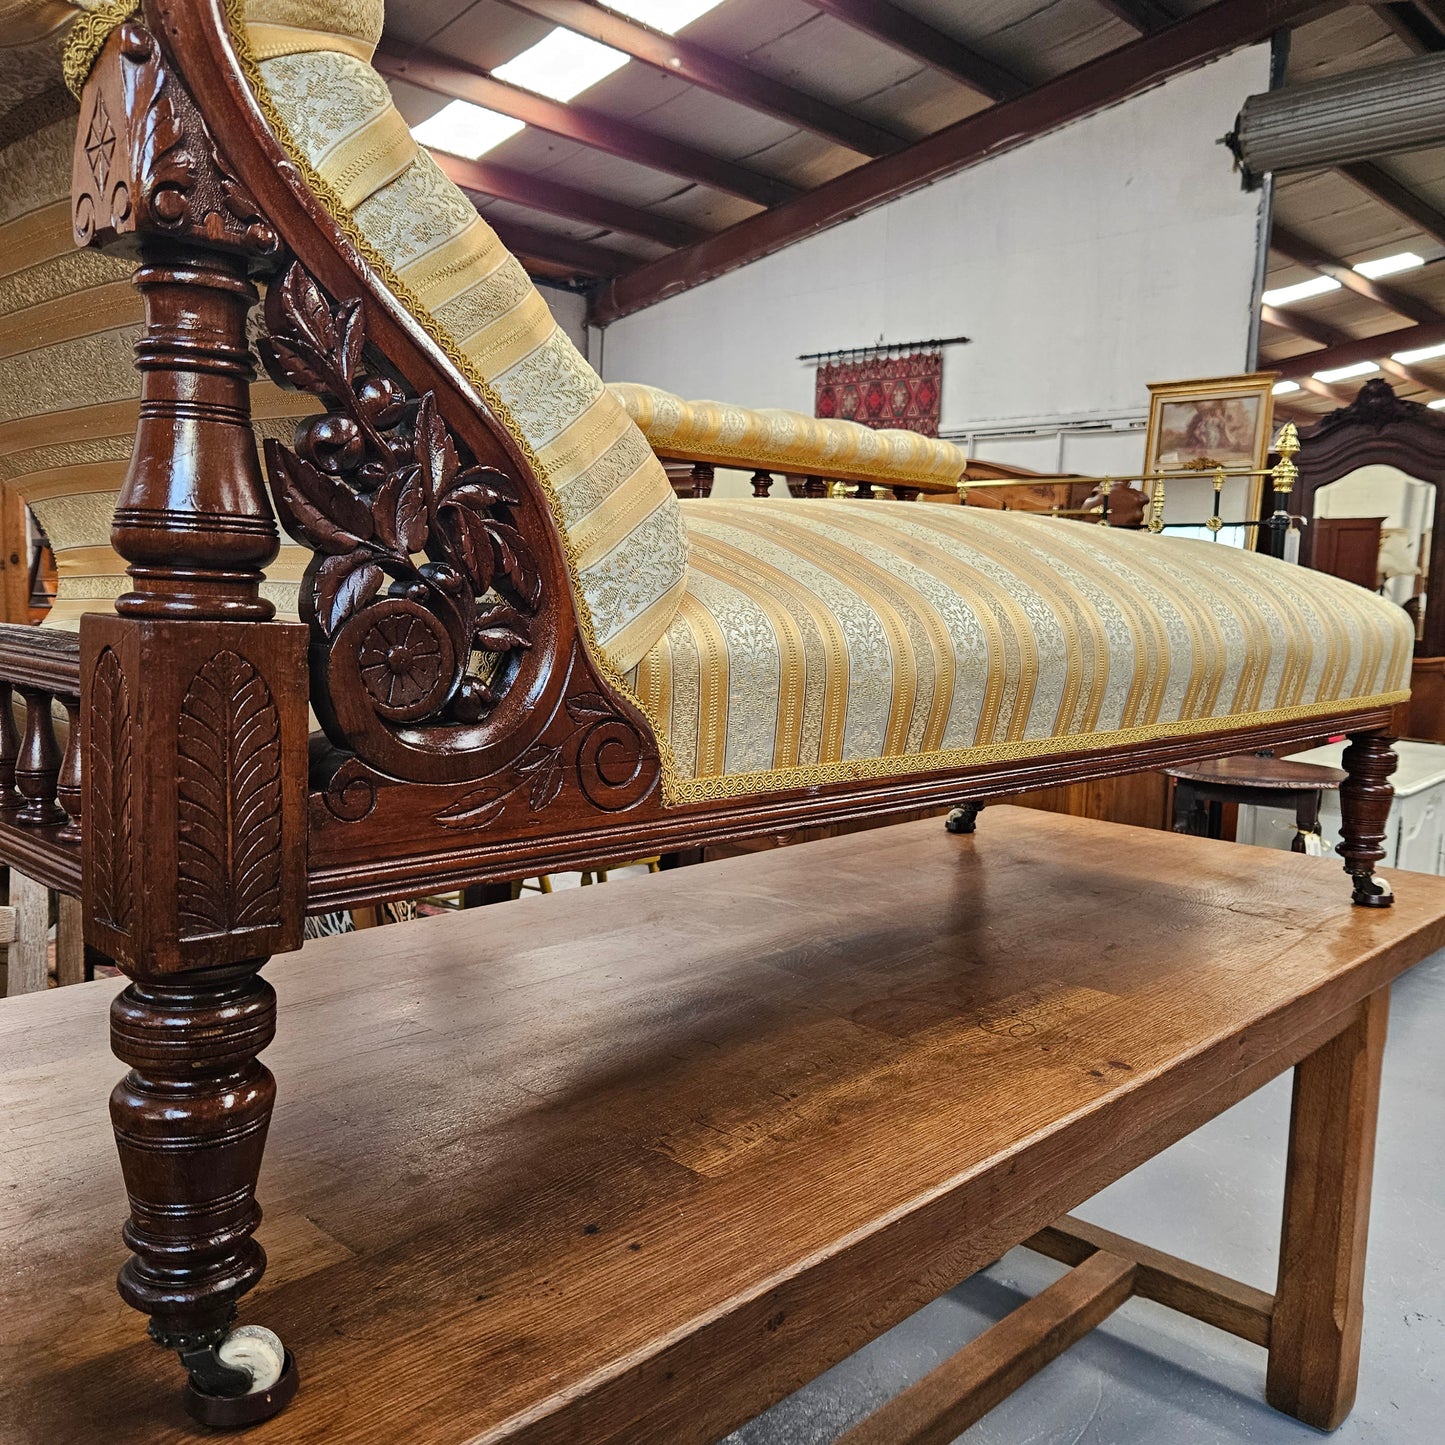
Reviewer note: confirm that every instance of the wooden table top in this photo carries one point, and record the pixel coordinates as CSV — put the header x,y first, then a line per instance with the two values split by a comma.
x,y
1245,770
629,1163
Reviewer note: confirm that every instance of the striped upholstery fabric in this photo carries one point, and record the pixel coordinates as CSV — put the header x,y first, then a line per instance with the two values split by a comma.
x,y
788,441
617,506
830,638
69,395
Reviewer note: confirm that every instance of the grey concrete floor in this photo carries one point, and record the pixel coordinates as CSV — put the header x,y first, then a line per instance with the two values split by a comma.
x,y
1149,1376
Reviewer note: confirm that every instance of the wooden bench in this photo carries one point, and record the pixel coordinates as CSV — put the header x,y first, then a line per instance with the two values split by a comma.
x,y
631,1164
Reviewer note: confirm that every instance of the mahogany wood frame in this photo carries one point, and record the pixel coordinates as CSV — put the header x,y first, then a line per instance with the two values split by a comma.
x,y
208,827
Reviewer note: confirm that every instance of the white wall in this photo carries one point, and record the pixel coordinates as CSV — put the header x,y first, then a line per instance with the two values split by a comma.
x,y
570,310
1110,254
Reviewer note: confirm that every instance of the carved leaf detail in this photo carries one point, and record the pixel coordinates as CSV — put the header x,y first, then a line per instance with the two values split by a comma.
x,y
317,510
590,707
230,800
109,802
474,809
343,586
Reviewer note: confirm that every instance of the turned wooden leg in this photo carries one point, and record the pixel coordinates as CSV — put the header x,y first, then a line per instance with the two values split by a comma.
x,y
963,818
1314,1345
702,479
1365,798
190,1123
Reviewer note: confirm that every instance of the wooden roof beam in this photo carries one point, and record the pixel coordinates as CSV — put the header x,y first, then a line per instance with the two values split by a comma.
x,y
1412,26
1104,81
1323,334
1146,16
1376,181
905,32
448,76
575,258
700,66
1305,253
1367,348
539,194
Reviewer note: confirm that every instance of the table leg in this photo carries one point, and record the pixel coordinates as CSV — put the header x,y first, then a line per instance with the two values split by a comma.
x,y
1314,1349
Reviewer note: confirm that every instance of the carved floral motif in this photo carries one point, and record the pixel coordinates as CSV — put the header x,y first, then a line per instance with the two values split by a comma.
x,y
419,575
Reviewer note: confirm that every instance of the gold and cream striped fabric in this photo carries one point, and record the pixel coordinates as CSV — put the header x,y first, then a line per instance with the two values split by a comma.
x,y
618,507
69,394
788,441
829,635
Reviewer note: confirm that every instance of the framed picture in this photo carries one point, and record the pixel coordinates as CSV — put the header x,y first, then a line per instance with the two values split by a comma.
x,y
1222,421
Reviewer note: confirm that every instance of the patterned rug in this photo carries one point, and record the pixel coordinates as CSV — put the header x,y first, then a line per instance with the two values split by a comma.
x,y
884,391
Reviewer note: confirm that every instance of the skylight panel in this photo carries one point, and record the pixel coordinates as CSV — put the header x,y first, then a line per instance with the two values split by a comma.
x,y
561,65
669,16
464,129
1347,373
1389,265
1300,291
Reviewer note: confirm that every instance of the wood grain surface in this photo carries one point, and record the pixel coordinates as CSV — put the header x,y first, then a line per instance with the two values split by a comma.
x,y
631,1163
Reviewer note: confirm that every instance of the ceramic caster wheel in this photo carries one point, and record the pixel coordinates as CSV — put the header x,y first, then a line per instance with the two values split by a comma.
x,y
247,1378
1372,892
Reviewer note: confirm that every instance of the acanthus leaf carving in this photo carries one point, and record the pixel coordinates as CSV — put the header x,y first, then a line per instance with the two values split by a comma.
x,y
229,787
109,764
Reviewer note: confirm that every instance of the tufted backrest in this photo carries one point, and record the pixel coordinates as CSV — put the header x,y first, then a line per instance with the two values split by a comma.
x,y
73,398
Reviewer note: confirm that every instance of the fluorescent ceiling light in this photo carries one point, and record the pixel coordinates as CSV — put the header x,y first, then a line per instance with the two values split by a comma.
x,y
1283,388
1421,353
1300,291
1347,373
1438,405
668,16
1389,265
561,65
464,129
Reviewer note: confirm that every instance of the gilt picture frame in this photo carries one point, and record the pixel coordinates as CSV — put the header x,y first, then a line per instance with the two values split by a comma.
x,y
1211,422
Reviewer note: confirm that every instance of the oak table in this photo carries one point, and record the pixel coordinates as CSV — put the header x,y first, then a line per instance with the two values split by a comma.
x,y
629,1164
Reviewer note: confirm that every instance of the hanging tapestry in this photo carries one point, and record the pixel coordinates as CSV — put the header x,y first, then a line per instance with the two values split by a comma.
x,y
884,391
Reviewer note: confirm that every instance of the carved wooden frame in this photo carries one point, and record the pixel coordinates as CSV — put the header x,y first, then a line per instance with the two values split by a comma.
x,y
1379,428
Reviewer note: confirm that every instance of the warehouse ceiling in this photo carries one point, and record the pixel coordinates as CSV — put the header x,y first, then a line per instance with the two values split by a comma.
x,y
760,121
1327,222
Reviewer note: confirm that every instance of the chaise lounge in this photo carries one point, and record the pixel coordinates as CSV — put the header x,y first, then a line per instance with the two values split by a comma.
x,y
523,652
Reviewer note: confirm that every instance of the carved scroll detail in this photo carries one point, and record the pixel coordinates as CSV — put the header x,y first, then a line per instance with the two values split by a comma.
x,y
229,746
372,485
112,746
607,758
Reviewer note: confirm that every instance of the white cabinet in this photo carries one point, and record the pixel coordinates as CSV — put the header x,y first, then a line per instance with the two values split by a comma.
x,y
1415,833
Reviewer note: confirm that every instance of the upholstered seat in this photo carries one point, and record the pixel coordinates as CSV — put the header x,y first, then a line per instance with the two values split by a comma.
x,y
838,639
788,441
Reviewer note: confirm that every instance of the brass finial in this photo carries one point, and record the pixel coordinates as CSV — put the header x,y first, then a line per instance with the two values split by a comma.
x,y
1285,473
1105,487
963,491
1156,506
1215,522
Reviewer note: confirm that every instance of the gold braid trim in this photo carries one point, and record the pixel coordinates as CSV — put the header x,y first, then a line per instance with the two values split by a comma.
x,y
345,222
772,780
88,34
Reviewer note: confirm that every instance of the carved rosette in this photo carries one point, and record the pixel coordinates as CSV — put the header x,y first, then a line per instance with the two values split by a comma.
x,y
423,592
145,166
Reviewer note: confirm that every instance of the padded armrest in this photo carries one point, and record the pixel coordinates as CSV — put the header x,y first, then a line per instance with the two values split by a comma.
x,y
789,442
